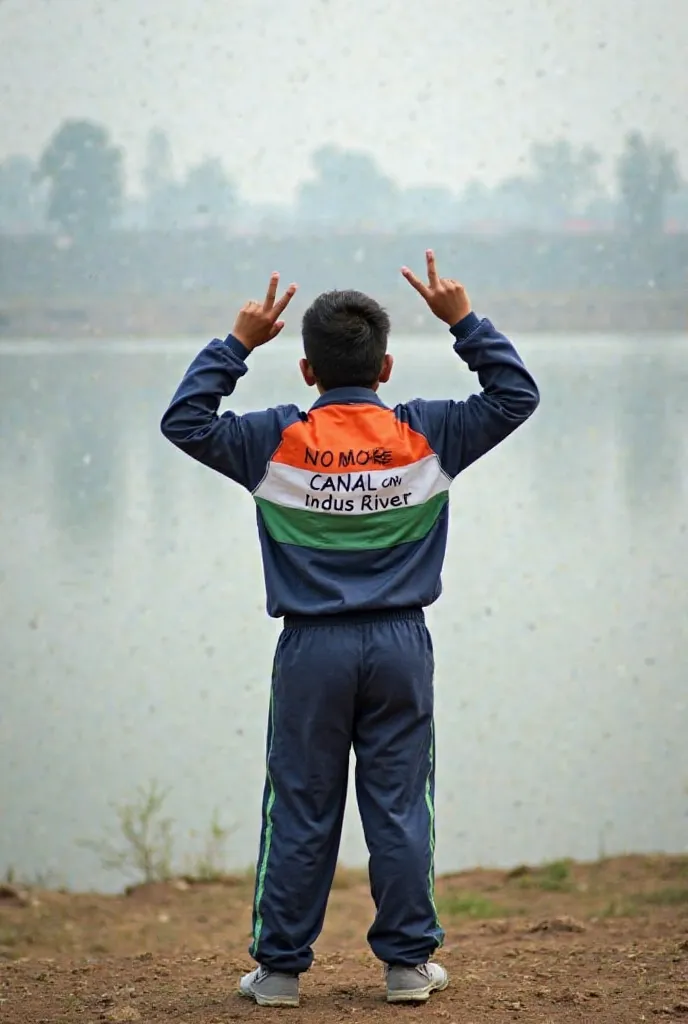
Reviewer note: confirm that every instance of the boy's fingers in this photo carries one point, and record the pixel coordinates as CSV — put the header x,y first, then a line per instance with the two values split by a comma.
x,y
432,269
276,329
280,306
415,282
272,291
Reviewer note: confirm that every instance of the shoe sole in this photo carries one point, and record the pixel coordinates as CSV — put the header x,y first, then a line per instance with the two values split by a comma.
x,y
274,1001
417,995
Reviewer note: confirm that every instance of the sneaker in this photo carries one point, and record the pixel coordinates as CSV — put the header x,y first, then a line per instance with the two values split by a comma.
x,y
269,988
414,984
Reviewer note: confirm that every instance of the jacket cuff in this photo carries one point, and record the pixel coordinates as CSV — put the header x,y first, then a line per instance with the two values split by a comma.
x,y
237,347
465,327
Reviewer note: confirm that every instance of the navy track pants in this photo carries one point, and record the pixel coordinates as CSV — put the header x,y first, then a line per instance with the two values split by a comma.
x,y
367,682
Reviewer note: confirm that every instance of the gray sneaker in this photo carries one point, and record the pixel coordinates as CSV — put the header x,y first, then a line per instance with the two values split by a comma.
x,y
414,984
269,988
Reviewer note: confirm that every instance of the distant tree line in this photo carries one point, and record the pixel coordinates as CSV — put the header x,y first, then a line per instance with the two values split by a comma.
x,y
77,189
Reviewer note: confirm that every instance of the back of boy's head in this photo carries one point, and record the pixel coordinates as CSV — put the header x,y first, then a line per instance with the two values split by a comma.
x,y
345,339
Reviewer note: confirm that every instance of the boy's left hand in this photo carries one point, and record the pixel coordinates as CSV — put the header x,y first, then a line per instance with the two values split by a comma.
x,y
258,323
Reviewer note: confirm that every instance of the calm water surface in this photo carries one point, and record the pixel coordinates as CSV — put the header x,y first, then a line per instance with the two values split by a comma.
x,y
134,643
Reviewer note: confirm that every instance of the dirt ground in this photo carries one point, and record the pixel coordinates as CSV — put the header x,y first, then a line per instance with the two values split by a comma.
x,y
605,942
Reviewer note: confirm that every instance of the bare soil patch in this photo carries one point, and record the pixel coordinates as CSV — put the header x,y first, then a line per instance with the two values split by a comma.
x,y
606,942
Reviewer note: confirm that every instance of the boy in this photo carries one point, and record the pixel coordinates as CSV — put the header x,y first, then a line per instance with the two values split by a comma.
x,y
352,517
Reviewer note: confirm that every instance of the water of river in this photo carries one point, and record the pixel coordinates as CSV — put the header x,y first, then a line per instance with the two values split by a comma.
x,y
134,643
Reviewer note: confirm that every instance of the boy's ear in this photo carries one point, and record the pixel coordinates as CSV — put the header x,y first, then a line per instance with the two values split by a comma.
x,y
386,371
307,373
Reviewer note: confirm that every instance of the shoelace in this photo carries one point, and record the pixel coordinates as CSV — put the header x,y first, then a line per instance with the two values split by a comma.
x,y
421,968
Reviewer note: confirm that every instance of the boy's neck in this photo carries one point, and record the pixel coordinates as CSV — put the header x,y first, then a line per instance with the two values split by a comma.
x,y
348,395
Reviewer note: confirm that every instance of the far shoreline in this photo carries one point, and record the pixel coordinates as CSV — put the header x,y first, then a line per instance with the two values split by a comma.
x,y
148,317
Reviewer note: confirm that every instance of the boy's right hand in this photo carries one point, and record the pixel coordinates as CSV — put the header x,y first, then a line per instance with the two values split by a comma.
x,y
258,322
446,298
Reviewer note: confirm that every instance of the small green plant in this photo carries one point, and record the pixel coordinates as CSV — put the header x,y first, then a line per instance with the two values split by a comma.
x,y
552,877
630,906
618,906
555,876
8,937
40,880
679,865
210,865
148,838
665,897
465,904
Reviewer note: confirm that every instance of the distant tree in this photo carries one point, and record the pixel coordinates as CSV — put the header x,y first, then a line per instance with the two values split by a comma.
x,y
207,196
647,174
560,183
85,175
508,203
134,214
158,179
157,168
22,200
677,207
348,190
564,180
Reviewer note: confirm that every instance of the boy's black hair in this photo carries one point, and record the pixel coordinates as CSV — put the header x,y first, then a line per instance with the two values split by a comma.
x,y
345,339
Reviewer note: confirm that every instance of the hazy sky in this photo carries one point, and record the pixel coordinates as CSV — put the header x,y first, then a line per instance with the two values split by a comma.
x,y
440,91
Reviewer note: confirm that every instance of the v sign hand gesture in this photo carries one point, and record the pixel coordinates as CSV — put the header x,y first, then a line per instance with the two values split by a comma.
x,y
446,298
258,322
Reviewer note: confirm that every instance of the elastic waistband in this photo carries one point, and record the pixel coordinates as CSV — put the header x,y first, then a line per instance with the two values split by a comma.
x,y
355,618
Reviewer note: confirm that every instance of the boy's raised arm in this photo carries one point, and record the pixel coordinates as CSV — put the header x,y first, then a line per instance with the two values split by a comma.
x,y
237,446
462,431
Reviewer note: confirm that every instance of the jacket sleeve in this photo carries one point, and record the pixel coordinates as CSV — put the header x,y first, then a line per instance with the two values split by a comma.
x,y
239,447
460,432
